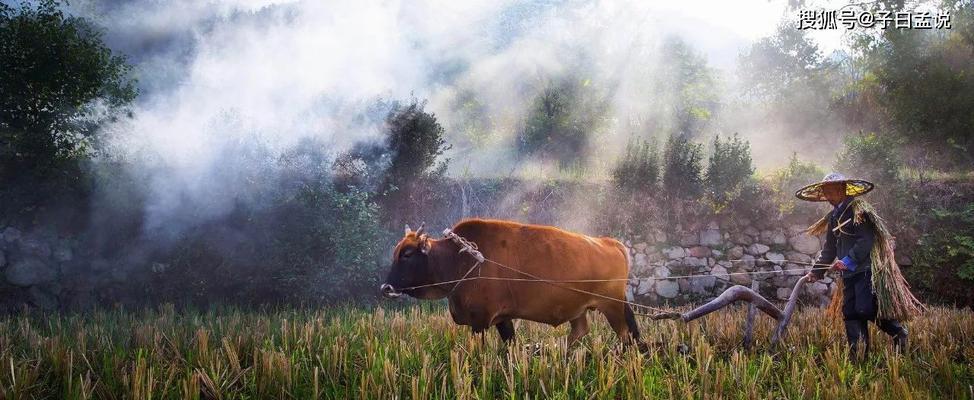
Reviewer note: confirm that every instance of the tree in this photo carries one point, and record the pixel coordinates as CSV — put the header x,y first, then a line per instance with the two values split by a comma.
x,y
562,120
690,83
58,84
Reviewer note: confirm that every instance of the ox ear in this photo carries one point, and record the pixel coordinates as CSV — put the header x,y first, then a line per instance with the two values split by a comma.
x,y
424,244
407,230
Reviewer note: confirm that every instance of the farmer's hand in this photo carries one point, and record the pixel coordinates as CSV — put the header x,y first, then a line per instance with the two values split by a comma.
x,y
838,265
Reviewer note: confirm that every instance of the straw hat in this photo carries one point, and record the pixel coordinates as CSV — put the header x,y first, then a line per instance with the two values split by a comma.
x,y
853,187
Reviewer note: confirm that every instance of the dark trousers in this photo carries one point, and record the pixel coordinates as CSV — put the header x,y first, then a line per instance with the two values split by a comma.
x,y
859,307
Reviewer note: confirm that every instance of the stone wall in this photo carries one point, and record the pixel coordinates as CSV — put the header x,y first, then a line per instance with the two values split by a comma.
x,y
734,254
49,271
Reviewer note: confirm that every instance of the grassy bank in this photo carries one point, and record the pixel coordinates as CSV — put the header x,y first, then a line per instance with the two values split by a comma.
x,y
419,353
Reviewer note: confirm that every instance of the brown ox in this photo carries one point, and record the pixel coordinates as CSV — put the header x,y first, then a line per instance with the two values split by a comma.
x,y
541,251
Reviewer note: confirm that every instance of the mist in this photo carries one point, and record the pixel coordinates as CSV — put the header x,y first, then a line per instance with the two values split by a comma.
x,y
226,87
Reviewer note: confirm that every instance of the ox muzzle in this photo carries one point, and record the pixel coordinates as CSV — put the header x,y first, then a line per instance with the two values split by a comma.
x,y
388,291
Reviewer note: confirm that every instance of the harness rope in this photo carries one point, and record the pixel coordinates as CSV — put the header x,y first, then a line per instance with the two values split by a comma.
x,y
469,247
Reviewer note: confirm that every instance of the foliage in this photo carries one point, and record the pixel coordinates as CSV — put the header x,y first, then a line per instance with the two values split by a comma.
x,y
872,157
418,352
691,86
58,84
638,171
729,169
945,255
785,181
562,121
682,167
923,81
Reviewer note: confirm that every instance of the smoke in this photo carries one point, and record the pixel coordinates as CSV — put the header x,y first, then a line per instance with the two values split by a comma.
x,y
229,85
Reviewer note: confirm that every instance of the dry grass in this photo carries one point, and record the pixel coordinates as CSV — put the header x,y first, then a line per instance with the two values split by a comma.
x,y
419,353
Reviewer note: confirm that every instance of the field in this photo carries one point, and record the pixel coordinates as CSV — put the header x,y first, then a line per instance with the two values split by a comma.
x,y
417,352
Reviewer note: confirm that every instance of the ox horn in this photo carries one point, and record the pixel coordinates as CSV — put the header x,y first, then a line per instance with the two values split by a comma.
x,y
407,230
420,230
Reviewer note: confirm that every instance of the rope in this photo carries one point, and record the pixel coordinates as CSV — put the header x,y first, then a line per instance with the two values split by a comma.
x,y
469,247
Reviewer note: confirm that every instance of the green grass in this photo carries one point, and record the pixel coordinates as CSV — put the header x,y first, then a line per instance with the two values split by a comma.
x,y
417,352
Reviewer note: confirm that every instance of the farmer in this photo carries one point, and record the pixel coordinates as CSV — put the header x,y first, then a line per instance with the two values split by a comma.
x,y
853,235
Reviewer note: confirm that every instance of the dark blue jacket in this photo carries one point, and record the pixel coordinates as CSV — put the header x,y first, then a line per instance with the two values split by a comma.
x,y
852,243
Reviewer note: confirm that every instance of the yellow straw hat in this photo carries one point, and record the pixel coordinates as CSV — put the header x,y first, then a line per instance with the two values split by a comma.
x,y
853,187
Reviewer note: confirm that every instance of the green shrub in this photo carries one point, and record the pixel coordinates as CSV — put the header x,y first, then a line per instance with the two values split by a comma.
x,y
729,170
872,157
944,265
785,181
682,166
638,171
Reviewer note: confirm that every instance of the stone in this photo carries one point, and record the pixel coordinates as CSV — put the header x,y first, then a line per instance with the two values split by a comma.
x,y
11,234
661,272
702,285
757,249
645,286
640,247
747,262
798,257
695,262
766,236
716,253
720,272
710,237
795,269
795,229
28,272
639,260
805,243
741,277
779,238
751,231
735,253
667,289
783,293
741,239
699,251
689,240
776,258
674,252
712,226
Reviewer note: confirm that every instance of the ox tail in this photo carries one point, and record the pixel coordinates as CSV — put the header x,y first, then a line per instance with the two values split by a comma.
x,y
630,316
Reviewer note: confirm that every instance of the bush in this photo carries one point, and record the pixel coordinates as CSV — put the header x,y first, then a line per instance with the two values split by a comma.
x,y
682,166
638,172
944,265
872,157
729,170
784,182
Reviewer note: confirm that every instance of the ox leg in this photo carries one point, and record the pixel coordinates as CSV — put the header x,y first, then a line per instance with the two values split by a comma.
x,y
615,313
506,330
579,329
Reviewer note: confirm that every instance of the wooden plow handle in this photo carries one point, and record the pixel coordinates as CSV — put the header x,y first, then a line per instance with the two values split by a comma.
x,y
737,293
